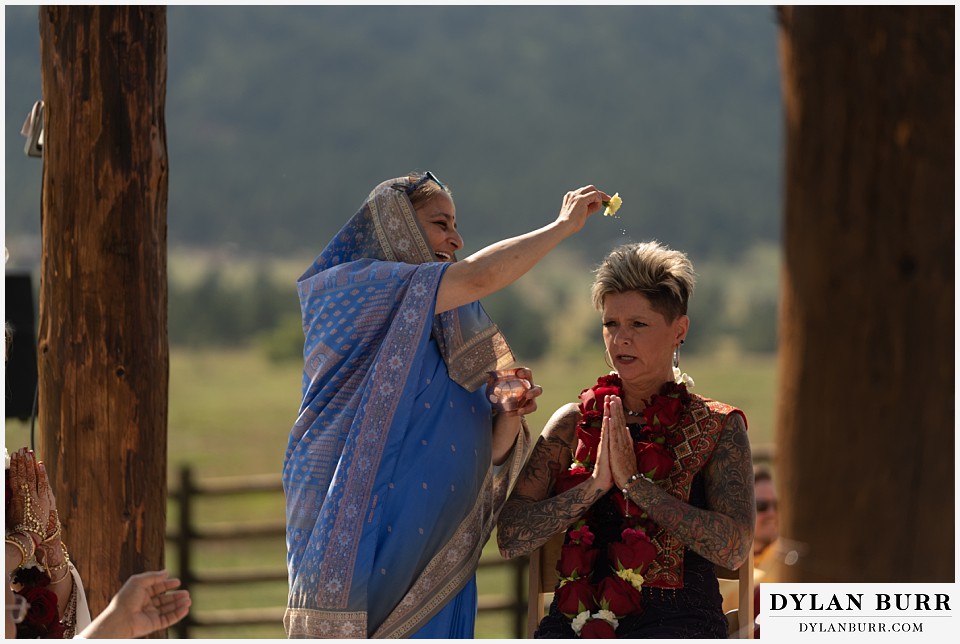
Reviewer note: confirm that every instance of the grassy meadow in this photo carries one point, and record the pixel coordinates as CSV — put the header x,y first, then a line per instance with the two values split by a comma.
x,y
230,413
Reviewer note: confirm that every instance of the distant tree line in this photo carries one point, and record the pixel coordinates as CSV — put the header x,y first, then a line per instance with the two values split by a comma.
x,y
281,118
731,305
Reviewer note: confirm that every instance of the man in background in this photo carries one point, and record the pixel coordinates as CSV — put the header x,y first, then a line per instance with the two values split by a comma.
x,y
766,542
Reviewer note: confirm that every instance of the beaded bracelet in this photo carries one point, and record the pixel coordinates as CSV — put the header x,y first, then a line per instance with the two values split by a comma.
x,y
633,479
28,532
11,538
65,575
66,558
23,552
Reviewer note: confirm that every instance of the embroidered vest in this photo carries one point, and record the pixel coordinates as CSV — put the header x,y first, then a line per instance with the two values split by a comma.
x,y
692,443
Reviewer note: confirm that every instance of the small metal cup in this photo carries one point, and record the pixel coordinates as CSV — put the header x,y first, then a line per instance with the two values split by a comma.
x,y
505,388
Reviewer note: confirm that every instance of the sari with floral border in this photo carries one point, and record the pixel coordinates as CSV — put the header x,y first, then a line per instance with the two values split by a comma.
x,y
389,486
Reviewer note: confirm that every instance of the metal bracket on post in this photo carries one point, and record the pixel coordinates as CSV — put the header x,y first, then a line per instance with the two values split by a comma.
x,y
33,130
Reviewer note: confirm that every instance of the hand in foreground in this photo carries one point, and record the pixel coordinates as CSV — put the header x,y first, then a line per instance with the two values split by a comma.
x,y
146,602
580,204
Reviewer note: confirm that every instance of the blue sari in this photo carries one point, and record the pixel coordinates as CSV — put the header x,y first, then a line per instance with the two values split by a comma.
x,y
388,480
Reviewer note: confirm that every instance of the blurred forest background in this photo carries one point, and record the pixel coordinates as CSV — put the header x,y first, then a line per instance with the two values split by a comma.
x,y
280,120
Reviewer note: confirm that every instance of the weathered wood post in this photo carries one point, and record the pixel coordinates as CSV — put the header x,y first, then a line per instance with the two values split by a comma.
x,y
103,354
865,442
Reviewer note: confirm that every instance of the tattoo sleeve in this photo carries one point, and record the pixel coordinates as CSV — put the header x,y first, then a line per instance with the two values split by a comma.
x,y
724,533
531,515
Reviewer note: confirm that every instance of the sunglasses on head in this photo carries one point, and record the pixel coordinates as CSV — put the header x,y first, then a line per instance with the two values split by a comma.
x,y
428,176
763,506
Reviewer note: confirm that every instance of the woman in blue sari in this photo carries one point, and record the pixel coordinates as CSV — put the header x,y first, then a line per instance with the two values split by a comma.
x,y
396,470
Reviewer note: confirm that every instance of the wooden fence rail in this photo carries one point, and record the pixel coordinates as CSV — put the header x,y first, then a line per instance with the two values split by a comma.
x,y
188,535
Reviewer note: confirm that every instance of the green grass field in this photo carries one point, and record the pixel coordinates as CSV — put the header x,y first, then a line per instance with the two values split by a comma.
x,y
230,413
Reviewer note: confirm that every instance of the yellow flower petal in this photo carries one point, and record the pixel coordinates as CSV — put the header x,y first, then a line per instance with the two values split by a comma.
x,y
613,205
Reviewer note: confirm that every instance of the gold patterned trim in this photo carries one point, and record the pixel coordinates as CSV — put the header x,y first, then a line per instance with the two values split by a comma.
x,y
484,352
310,623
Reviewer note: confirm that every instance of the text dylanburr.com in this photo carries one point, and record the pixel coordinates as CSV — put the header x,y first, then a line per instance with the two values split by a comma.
x,y
807,612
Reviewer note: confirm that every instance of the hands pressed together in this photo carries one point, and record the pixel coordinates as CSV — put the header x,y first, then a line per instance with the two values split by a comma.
x,y
32,513
616,459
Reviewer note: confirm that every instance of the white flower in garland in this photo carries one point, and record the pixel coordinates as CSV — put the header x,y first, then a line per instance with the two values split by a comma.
x,y
682,378
579,621
609,617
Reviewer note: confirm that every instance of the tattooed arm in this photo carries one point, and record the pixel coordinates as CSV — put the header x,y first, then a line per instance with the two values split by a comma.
x,y
531,515
724,533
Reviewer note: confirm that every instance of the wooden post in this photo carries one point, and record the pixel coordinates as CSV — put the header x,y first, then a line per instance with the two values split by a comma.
x,y
103,354
185,542
865,436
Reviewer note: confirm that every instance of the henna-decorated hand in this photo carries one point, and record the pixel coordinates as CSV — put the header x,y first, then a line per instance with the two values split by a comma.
x,y
29,508
49,551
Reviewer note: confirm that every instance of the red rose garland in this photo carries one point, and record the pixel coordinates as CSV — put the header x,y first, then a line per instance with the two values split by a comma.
x,y
596,608
43,617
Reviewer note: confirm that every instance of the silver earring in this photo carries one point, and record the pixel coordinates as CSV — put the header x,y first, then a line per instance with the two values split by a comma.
x,y
676,356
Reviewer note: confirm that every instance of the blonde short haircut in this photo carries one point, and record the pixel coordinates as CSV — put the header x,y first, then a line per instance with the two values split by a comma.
x,y
664,276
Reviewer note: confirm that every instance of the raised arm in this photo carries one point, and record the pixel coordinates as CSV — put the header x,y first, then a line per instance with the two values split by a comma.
x,y
531,515
494,267
724,533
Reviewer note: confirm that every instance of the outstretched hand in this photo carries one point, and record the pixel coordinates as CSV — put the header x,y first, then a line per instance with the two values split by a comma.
x,y
146,602
579,204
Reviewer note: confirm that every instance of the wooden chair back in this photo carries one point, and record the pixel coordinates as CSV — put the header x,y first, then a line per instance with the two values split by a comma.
x,y
542,579
740,620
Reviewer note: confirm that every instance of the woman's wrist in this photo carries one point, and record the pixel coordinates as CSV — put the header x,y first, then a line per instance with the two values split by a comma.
x,y
28,534
53,555
54,537
59,573
633,481
598,486
24,544
16,556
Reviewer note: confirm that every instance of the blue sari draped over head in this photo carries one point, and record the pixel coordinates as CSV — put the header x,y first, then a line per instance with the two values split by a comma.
x,y
389,486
